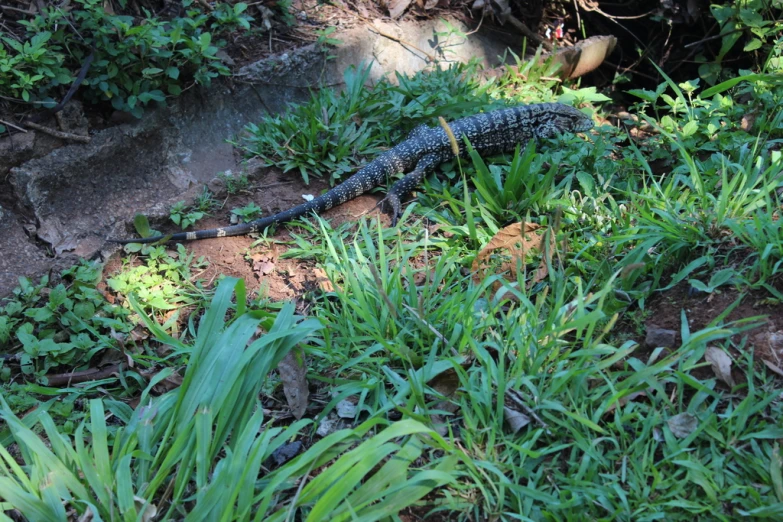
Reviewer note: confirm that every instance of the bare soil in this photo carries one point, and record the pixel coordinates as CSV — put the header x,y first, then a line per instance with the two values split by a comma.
x,y
765,340
261,266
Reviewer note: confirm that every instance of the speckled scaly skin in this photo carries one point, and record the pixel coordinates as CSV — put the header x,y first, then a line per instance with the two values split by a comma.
x,y
424,149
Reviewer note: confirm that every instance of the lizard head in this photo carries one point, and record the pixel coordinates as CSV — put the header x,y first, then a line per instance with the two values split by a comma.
x,y
557,118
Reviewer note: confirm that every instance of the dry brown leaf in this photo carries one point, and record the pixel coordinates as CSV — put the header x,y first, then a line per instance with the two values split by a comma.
x,y
721,364
169,383
515,240
264,267
148,510
625,400
774,368
139,333
397,7
293,374
445,383
748,119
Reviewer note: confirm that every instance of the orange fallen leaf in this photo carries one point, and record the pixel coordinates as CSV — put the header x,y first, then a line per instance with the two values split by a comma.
x,y
515,241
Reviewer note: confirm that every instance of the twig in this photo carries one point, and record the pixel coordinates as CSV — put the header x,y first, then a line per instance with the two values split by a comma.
x,y
20,102
430,57
513,395
16,9
525,30
12,125
592,5
67,379
59,134
713,37
432,328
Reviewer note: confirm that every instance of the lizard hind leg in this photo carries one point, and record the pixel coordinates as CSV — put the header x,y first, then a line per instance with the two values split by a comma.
x,y
403,187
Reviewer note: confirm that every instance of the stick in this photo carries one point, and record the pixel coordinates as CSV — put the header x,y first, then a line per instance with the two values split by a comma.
x,y
59,134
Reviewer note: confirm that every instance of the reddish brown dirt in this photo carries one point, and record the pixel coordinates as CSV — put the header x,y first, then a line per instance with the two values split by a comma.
x,y
765,340
261,266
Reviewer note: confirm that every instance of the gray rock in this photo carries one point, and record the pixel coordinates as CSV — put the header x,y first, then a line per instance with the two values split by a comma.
x,y
660,337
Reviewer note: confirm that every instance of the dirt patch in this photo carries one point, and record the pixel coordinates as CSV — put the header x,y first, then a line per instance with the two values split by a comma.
x,y
664,310
261,265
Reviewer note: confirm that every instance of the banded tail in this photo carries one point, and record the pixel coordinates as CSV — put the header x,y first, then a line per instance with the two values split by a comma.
x,y
367,178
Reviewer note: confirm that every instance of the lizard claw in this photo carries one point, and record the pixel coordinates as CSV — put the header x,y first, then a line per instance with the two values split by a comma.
x,y
391,202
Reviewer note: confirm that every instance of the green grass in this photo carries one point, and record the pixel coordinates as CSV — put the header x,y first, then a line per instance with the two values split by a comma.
x,y
502,398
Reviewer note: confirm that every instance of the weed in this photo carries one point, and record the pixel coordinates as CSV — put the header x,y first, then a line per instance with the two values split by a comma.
x,y
133,65
234,184
184,215
62,325
247,213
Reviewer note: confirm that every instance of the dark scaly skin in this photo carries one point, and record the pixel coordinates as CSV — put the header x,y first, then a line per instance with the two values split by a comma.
x,y
424,149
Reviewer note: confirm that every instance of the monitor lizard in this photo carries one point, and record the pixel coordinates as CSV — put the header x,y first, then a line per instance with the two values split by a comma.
x,y
424,149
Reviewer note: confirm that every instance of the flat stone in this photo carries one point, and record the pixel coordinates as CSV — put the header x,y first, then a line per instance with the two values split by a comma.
x,y
660,337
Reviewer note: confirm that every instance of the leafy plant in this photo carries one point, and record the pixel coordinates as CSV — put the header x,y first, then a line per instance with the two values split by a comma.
x,y
27,69
754,22
184,215
228,16
65,324
164,282
234,183
134,64
216,413
247,213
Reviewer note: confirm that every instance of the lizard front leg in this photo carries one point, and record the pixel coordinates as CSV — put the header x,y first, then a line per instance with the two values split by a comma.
x,y
408,183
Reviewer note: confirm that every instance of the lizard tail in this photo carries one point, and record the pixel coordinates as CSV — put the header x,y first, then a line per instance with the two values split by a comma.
x,y
234,230
323,202
359,183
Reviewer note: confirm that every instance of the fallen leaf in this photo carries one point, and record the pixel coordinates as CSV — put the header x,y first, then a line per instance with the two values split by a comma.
x,y
169,383
148,511
264,267
139,333
286,452
397,7
773,367
446,382
747,121
440,424
346,409
71,378
683,425
515,242
721,364
293,374
516,419
776,471
329,425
